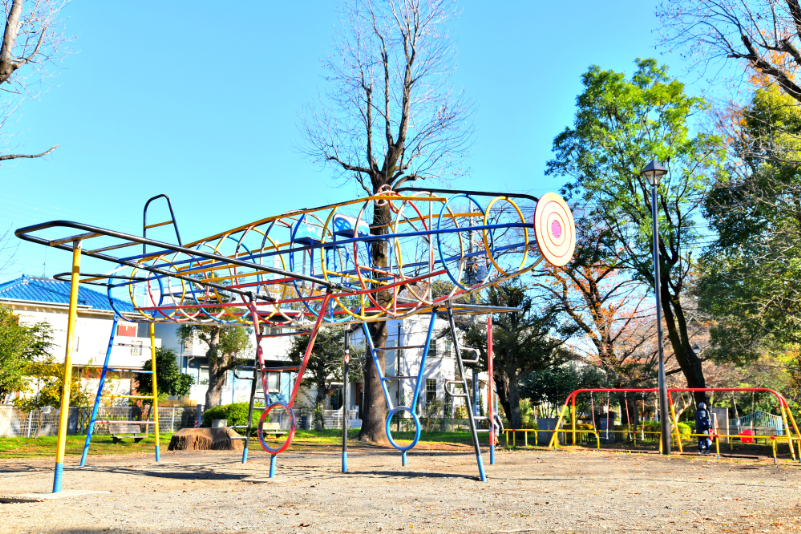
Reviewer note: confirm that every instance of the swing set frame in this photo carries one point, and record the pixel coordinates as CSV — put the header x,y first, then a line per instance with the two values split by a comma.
x,y
786,413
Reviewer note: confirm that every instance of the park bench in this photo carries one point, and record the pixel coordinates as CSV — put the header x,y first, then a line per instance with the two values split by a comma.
x,y
273,429
122,431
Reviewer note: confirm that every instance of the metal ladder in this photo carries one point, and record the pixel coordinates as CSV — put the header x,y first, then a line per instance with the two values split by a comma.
x,y
471,417
153,398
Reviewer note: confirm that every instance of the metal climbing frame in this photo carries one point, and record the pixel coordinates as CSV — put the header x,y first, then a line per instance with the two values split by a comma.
x,y
316,265
259,369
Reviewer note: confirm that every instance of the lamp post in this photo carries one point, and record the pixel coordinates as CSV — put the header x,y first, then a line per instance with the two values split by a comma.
x,y
653,172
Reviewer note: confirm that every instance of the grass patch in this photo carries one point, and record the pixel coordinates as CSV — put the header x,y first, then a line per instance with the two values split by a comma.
x,y
101,444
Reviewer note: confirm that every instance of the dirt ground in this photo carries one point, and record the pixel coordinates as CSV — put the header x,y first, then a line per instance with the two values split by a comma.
x,y
526,491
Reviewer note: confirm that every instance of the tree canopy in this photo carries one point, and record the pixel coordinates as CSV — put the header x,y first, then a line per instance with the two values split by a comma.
x,y
226,349
169,378
751,270
20,346
622,123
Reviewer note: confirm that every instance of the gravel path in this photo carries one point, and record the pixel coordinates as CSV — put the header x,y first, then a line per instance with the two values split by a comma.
x,y
527,491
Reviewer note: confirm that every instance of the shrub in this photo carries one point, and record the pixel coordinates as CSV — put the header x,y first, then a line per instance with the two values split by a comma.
x,y
653,426
236,414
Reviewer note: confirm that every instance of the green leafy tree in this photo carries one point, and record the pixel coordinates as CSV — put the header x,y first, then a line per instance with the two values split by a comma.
x,y
43,382
522,342
751,270
20,347
622,123
170,379
552,386
44,385
226,349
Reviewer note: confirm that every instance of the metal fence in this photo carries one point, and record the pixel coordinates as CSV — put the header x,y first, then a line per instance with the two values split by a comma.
x,y
761,419
44,422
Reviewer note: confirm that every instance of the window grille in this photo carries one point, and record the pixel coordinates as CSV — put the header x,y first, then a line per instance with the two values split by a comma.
x,y
431,390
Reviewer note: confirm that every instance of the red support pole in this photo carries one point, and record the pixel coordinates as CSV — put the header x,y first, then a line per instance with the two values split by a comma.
x,y
309,348
490,390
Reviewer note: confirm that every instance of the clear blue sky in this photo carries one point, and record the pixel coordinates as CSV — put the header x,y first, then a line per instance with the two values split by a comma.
x,y
200,101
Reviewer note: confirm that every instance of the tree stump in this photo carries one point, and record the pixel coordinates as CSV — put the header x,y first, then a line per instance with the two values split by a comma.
x,y
205,439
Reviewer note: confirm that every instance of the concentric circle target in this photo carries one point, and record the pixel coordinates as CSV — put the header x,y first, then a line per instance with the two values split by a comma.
x,y
555,229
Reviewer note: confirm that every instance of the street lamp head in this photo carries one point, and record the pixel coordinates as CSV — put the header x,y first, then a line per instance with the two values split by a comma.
x,y
653,172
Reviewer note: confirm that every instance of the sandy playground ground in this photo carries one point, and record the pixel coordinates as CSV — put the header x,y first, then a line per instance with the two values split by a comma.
x,y
527,491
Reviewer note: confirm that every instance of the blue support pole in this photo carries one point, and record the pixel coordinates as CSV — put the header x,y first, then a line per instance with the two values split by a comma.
x,y
272,466
92,420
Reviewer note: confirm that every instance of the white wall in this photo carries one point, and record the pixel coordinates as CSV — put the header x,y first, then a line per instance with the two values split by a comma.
x,y
92,333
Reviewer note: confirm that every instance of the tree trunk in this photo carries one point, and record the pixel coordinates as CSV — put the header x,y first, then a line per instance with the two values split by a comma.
x,y
374,408
216,370
502,390
319,399
688,360
214,391
514,402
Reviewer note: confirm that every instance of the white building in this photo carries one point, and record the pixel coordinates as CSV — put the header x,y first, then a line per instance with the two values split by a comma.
x,y
36,299
440,365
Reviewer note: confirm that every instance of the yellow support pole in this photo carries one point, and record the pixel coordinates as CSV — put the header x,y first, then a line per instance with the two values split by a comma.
x,y
72,319
573,415
787,430
155,387
525,438
675,423
554,437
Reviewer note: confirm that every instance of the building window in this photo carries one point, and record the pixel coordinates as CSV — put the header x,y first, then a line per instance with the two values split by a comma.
x,y
136,348
432,348
390,360
274,382
203,376
142,330
431,390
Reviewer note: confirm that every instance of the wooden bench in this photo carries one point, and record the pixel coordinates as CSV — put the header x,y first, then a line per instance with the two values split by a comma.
x,y
120,432
272,429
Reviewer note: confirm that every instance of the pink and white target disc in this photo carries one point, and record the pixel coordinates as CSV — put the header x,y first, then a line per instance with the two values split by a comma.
x,y
554,229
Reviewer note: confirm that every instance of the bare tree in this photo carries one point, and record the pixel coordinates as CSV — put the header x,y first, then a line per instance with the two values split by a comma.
x,y
389,115
607,305
32,40
765,34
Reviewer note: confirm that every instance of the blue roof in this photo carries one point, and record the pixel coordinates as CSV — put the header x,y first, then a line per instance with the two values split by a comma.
x,y
36,289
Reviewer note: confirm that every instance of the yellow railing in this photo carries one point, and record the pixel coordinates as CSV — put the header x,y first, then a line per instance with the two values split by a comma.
x,y
525,432
656,433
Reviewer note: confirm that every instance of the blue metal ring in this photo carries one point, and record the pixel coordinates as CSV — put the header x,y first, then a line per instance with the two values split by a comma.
x,y
439,240
416,425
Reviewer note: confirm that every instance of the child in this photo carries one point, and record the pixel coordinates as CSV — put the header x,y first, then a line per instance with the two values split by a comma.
x,y
702,426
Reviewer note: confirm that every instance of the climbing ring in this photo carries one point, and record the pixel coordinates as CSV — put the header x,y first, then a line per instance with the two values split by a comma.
x,y
292,427
416,426
385,189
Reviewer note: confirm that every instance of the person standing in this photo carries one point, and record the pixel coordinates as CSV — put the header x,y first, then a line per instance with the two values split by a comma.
x,y
702,426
